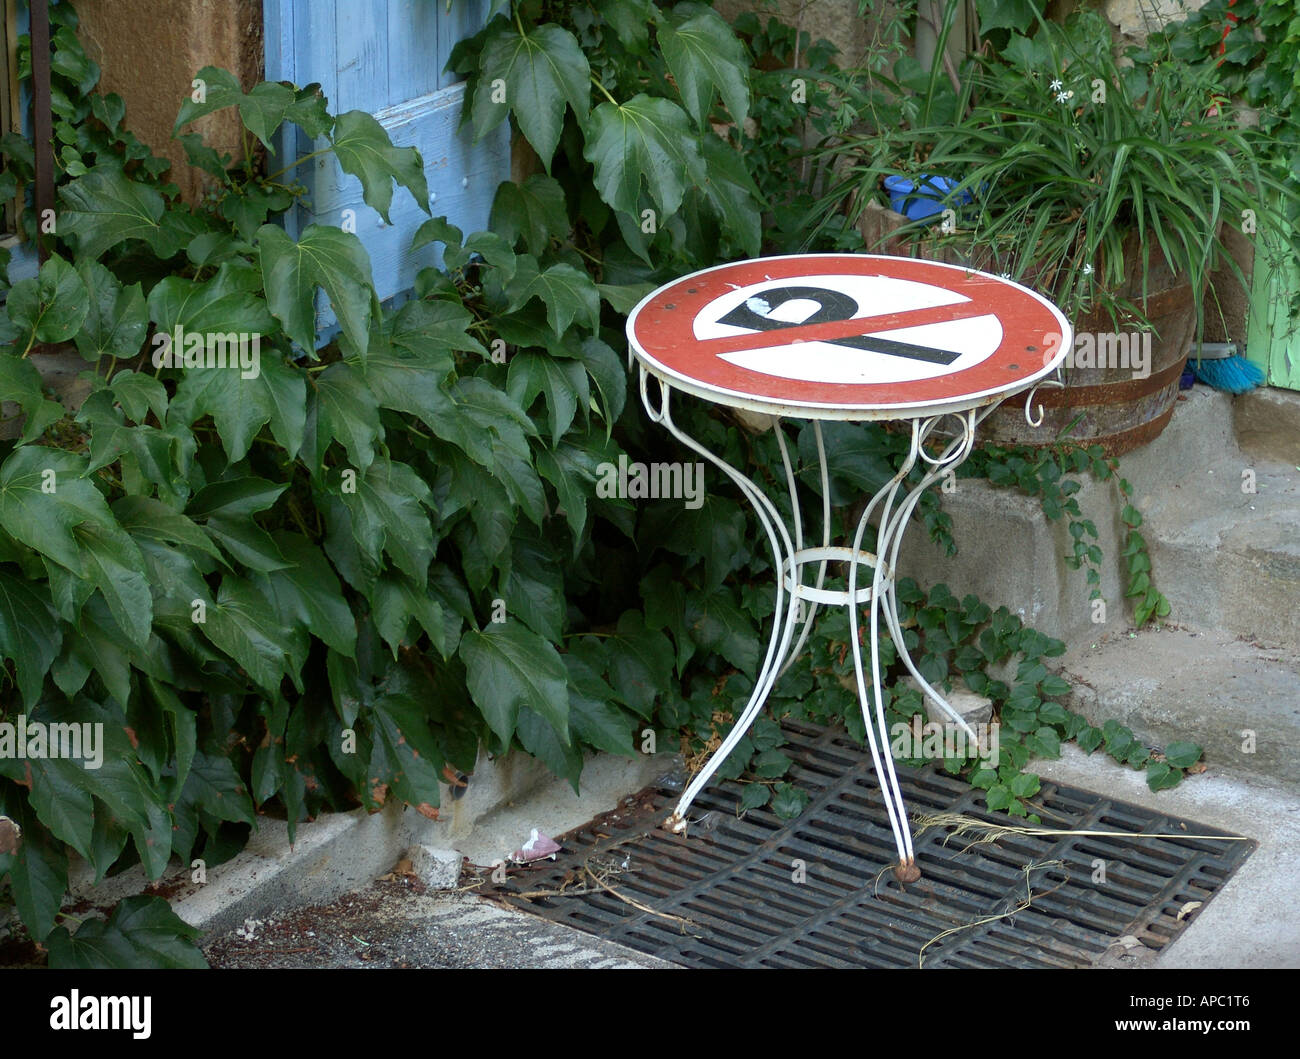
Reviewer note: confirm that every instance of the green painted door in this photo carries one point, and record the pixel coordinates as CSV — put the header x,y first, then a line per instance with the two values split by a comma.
x,y
1273,340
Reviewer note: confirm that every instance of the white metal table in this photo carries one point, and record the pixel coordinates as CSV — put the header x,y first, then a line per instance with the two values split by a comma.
x,y
844,337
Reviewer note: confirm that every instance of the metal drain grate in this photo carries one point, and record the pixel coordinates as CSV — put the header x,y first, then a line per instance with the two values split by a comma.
x,y
735,884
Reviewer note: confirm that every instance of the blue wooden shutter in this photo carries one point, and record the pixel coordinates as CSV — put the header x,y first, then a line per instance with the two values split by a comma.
x,y
386,57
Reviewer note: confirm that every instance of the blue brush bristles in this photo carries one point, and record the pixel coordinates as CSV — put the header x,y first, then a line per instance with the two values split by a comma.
x,y
1230,374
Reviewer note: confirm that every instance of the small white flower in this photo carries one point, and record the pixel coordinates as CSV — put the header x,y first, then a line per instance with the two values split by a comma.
x,y
1062,97
1056,85
1087,270
1004,275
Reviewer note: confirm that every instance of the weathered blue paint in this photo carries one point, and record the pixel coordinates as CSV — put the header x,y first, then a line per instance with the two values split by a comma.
x,y
386,57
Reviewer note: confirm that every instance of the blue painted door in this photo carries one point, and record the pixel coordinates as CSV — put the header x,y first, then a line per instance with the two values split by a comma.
x,y
386,57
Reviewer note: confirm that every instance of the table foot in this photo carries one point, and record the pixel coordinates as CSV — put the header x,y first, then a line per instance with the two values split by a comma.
x,y
675,823
906,871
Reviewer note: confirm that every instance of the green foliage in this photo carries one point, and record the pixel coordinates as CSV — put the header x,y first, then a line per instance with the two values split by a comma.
x,y
1067,149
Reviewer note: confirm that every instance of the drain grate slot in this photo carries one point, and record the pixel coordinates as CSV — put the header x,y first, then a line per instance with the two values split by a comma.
x,y
816,891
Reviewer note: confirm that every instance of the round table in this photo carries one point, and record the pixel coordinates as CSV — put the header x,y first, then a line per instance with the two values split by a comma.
x,y
847,337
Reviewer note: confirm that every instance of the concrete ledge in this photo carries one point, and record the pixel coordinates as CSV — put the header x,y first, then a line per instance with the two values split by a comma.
x,y
1267,422
342,852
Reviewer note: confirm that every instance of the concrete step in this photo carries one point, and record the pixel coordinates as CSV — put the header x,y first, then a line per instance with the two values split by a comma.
x,y
1227,659
1237,698
1226,558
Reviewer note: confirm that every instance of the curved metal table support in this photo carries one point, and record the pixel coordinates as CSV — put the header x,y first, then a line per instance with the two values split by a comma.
x,y
792,558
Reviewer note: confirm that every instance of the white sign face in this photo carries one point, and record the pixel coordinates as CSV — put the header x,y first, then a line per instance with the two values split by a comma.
x,y
888,356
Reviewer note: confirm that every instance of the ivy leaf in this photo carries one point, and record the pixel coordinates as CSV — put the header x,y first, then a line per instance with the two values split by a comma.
x,y
542,70
538,738
507,667
21,383
998,797
721,627
240,407
1161,775
788,801
1089,739
713,532
388,514
596,720
572,467
534,210
563,382
1182,755
1006,14
644,138
630,20
341,406
706,59
1044,742
226,510
95,646
405,754
567,292
111,562
604,366
733,195
405,370
640,663
144,517
105,207
324,257
533,588
139,395
395,601
219,306
62,803
43,494
240,623
142,932
364,150
30,634
429,329
38,872
309,594
50,307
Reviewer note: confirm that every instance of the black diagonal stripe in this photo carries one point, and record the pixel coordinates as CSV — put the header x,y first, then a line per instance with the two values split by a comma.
x,y
833,306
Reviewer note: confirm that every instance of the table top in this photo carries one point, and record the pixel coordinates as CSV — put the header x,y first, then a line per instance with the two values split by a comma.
x,y
848,336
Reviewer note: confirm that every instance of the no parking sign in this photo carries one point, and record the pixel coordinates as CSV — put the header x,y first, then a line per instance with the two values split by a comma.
x,y
844,334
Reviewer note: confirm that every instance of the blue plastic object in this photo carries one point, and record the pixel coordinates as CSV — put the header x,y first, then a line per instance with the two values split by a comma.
x,y
918,201
1230,374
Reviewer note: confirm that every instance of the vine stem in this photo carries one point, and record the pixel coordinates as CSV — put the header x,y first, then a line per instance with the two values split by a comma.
x,y
299,161
604,91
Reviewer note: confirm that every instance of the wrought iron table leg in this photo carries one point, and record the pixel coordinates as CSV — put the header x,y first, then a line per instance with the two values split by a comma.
x,y
790,556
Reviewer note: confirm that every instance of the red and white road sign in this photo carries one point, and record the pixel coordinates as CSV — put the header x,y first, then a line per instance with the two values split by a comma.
x,y
847,332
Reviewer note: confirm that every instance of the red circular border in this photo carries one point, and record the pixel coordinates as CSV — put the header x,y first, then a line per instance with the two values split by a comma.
x,y
661,330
